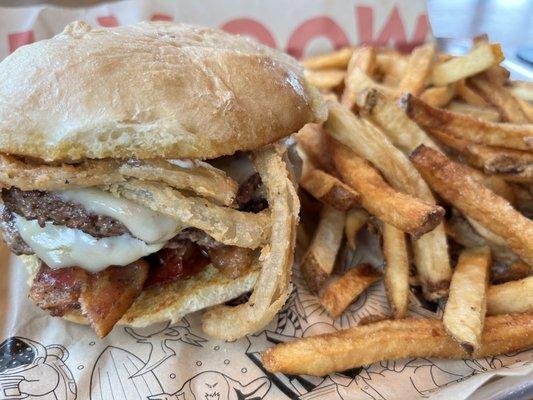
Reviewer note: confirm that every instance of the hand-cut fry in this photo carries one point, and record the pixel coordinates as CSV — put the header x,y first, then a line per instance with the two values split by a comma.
x,y
456,185
328,189
391,66
366,140
498,74
336,59
364,58
356,82
321,255
407,213
511,297
402,131
272,286
29,176
515,271
417,70
465,309
438,96
338,295
462,232
391,340
226,225
527,108
514,165
469,95
499,97
514,136
396,270
355,220
325,78
483,112
522,89
478,60
203,179
312,139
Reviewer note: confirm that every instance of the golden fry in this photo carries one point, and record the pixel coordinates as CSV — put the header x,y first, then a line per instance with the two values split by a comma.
x,y
363,58
465,309
396,270
456,185
335,59
522,90
483,112
511,297
321,255
355,220
392,340
325,78
499,97
478,60
328,189
514,136
438,96
417,70
338,295
469,95
312,139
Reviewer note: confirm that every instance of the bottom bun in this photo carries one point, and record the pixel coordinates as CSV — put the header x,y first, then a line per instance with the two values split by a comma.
x,y
172,301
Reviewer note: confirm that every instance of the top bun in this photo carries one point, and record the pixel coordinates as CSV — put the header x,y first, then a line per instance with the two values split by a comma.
x,y
149,90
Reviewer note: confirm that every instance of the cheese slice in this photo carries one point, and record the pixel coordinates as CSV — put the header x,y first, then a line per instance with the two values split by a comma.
x,y
143,223
60,247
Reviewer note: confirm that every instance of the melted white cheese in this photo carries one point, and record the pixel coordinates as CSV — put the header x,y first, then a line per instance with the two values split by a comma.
x,y
145,224
61,247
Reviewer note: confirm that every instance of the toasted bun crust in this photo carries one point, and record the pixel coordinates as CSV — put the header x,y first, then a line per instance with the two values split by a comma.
x,y
172,301
149,90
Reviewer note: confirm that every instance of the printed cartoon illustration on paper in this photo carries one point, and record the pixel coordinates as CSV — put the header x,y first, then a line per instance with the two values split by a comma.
x,y
29,370
217,386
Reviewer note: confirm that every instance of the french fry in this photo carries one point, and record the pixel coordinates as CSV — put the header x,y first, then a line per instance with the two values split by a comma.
x,y
311,138
328,189
478,60
390,340
511,297
403,132
407,213
438,96
469,95
514,136
356,82
465,309
396,270
366,140
363,58
336,59
522,90
483,112
320,257
338,295
514,165
527,108
325,79
515,271
503,100
355,220
417,70
455,184
391,65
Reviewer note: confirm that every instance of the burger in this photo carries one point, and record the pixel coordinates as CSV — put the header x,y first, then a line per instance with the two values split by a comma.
x,y
144,174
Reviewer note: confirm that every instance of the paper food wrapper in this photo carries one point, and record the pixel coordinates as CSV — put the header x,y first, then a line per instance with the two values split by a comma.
x,y
47,358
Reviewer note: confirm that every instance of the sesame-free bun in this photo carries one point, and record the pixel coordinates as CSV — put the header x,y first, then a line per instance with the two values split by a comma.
x,y
149,90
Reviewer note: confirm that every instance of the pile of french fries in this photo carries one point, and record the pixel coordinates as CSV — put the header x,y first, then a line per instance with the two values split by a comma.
x,y
435,153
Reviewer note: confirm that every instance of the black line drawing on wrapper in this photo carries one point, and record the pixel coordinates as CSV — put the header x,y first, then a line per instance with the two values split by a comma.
x,y
160,352
218,386
30,370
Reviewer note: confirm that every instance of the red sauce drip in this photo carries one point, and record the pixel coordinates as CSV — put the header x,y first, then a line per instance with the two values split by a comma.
x,y
171,265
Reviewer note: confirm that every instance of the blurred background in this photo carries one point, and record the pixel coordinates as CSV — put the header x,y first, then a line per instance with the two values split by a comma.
x,y
453,22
